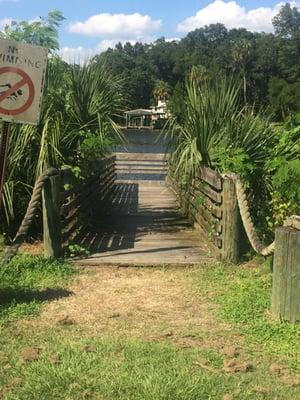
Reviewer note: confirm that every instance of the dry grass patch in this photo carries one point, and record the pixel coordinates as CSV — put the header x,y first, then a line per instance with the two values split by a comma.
x,y
151,303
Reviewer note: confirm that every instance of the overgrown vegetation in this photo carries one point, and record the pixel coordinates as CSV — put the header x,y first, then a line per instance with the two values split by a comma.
x,y
218,82
219,131
81,104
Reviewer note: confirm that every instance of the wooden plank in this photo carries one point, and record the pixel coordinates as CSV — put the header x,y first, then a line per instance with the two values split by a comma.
x,y
232,225
70,210
286,275
85,191
51,217
216,225
215,209
209,192
212,235
209,218
213,178
108,167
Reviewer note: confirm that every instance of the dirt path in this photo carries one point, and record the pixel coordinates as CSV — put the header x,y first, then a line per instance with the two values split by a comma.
x,y
136,331
141,302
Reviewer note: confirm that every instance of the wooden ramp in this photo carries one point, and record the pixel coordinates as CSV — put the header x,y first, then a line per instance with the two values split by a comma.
x,y
142,224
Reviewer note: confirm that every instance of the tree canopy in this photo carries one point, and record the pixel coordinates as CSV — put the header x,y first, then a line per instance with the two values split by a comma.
x,y
266,63
42,32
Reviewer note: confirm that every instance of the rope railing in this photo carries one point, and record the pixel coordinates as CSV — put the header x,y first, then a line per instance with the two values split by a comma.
x,y
254,240
241,196
32,208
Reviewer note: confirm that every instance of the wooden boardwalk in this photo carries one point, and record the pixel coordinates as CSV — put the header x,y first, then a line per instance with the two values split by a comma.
x,y
143,225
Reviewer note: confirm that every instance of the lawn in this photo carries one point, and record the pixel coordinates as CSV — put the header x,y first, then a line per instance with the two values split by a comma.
x,y
142,333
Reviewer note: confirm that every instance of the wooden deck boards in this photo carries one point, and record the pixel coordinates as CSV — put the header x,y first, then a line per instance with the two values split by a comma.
x,y
143,225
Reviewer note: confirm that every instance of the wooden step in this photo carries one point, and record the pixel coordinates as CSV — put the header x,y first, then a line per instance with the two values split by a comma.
x,y
141,156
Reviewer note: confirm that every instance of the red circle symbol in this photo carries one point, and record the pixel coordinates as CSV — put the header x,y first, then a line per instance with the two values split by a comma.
x,y
25,80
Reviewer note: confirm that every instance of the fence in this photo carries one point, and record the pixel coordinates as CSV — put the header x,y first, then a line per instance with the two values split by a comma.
x,y
212,204
218,204
79,200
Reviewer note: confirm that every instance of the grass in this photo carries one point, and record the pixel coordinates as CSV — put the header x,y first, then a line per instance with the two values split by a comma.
x,y
127,369
74,361
107,368
244,299
26,282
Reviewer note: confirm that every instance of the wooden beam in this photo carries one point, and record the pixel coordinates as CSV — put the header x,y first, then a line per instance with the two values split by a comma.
x,y
286,275
213,178
209,192
51,217
232,225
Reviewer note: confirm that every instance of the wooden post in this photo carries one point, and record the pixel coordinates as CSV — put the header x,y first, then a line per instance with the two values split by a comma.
x,y
3,156
231,237
51,217
286,275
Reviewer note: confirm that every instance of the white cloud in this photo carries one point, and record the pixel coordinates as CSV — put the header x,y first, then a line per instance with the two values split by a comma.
x,y
4,22
110,43
82,54
76,54
174,39
117,25
232,15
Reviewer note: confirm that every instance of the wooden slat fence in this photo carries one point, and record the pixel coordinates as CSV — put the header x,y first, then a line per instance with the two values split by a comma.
x,y
203,202
78,201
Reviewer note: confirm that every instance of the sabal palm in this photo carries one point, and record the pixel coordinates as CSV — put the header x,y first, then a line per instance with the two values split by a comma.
x,y
214,119
209,109
75,98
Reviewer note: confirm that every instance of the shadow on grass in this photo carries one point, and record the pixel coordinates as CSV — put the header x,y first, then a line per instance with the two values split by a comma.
x,y
13,296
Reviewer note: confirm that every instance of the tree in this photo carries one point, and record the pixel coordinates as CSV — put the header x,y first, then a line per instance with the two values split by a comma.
x,y
162,90
241,55
216,51
264,65
284,97
177,102
43,32
287,28
287,21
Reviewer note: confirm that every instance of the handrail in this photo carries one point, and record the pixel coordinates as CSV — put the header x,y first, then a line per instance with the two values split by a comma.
x,y
256,243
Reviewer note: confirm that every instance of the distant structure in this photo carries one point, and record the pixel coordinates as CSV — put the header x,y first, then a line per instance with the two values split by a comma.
x,y
153,118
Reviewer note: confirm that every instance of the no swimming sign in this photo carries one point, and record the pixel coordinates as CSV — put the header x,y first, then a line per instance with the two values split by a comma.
x,y
22,75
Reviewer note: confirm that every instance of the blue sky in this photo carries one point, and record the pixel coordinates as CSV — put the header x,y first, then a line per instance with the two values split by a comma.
x,y
93,25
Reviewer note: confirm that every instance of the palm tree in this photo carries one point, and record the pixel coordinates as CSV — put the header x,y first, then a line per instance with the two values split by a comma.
x,y
241,52
162,90
78,101
214,124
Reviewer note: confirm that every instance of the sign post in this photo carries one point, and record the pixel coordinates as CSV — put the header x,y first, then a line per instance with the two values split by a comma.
x,y
3,156
22,77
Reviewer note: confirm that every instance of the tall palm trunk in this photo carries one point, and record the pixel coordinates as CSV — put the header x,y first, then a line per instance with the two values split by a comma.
x,y
245,86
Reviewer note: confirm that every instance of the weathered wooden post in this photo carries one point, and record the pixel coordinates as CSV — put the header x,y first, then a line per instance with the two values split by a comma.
x,y
232,224
51,217
286,272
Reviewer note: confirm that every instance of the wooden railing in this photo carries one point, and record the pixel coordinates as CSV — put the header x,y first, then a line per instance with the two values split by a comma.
x,y
211,203
67,204
78,201
206,204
